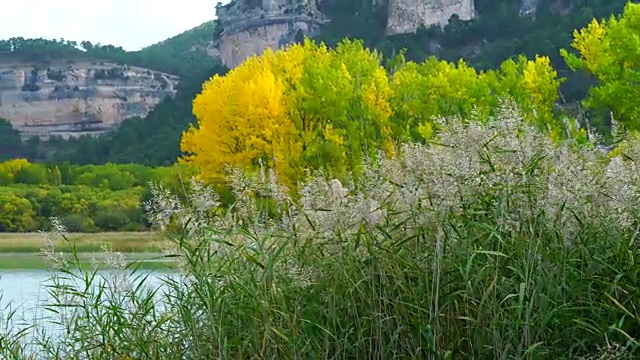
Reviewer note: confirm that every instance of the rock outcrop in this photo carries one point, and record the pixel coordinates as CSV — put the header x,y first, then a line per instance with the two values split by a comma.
x,y
70,99
250,27
528,7
406,16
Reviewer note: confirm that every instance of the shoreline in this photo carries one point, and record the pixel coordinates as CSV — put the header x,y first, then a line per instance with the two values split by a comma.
x,y
21,251
129,242
37,261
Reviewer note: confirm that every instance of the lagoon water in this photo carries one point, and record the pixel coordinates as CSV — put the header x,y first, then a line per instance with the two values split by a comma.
x,y
26,293
22,290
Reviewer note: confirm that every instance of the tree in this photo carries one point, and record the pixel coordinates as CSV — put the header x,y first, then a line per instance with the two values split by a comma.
x,y
55,176
436,88
107,176
11,167
10,141
533,85
306,106
242,119
16,214
610,51
32,174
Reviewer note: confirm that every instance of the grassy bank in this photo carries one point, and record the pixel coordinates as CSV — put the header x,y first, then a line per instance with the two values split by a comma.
x,y
493,244
38,261
128,242
22,250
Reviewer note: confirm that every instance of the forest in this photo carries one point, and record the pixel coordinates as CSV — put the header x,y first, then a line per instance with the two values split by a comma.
x,y
86,198
503,63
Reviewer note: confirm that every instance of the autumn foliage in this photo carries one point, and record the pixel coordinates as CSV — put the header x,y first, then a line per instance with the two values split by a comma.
x,y
311,107
610,51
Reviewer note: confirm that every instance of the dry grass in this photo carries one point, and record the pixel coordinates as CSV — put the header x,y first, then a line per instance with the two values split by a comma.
x,y
129,242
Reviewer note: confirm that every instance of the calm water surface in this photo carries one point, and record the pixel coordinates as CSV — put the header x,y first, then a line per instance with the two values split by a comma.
x,y
26,292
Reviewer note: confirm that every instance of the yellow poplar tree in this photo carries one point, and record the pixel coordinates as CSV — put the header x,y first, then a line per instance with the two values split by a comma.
x,y
432,89
533,85
305,106
437,88
242,119
610,51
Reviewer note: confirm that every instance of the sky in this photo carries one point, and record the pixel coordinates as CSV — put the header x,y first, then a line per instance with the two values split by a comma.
x,y
131,24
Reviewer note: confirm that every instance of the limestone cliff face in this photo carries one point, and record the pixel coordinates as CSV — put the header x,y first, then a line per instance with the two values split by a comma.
x,y
528,7
406,16
238,46
250,28
70,99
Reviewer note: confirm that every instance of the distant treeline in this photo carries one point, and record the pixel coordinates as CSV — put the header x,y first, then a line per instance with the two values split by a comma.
x,y
85,198
173,56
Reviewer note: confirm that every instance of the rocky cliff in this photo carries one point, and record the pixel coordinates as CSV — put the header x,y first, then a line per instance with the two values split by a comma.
x,y
74,98
251,27
406,16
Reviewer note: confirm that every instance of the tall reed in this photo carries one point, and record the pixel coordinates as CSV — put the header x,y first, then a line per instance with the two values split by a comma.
x,y
491,243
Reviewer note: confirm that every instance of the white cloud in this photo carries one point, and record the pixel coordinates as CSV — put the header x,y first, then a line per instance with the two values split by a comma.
x,y
132,24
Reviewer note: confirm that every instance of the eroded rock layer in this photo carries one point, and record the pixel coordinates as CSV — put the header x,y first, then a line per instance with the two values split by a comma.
x,y
70,99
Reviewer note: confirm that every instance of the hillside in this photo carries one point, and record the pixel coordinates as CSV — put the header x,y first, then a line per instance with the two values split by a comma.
x,y
72,97
501,30
179,55
183,56
198,40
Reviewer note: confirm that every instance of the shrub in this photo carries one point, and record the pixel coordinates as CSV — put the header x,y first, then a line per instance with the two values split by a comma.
x,y
78,223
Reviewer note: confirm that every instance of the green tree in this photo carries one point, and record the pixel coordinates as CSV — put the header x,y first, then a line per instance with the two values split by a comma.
x,y
55,176
32,174
108,177
78,223
16,214
610,51
10,141
434,88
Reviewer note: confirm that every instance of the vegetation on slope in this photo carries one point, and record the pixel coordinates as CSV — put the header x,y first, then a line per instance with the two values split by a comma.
x,y
85,198
201,35
179,55
499,33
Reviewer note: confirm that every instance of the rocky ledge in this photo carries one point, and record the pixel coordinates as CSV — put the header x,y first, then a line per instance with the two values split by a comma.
x,y
75,98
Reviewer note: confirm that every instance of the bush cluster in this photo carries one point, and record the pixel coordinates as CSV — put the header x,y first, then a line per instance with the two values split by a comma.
x,y
86,198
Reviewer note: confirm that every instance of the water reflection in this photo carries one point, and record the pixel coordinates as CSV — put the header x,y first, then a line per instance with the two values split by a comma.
x,y
22,291
26,293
